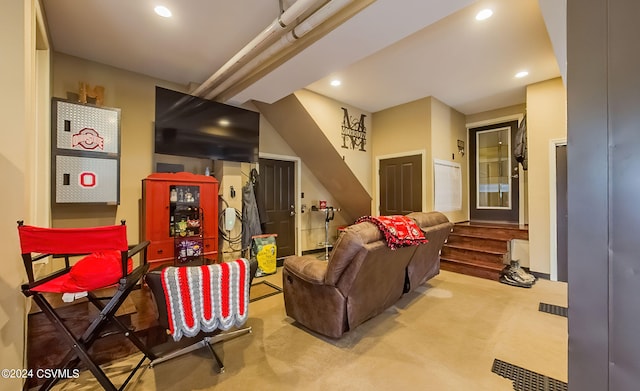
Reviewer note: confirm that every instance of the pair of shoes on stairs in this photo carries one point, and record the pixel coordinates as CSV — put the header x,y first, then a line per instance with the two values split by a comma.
x,y
514,275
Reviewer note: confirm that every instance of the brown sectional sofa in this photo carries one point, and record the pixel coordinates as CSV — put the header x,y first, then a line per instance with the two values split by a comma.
x,y
362,277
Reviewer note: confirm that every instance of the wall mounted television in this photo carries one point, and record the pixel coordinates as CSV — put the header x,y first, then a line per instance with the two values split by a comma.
x,y
187,125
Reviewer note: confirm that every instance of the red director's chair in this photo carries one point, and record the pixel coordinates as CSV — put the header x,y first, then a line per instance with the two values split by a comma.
x,y
108,264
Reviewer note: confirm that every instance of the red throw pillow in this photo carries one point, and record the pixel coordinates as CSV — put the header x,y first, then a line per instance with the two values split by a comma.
x,y
94,271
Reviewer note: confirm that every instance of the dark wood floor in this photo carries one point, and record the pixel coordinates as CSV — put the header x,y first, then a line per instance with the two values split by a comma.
x,y
46,347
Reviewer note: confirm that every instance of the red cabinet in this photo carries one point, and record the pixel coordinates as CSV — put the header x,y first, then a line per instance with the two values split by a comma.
x,y
162,194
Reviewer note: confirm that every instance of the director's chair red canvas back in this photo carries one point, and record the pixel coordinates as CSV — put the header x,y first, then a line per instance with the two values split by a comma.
x,y
106,262
37,243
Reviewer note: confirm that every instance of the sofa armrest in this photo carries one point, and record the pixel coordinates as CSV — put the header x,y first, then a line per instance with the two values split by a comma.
x,y
307,268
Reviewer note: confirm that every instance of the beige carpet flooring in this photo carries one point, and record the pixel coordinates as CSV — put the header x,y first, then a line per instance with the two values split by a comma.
x,y
444,336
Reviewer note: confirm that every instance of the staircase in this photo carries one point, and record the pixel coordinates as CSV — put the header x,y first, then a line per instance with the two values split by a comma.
x,y
290,118
480,249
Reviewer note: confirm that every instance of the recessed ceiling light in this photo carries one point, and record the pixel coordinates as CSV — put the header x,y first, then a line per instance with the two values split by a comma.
x,y
224,122
522,74
162,11
335,82
484,14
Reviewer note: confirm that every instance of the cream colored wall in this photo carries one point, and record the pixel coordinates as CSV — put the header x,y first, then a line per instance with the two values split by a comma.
x,y
22,81
496,115
134,94
328,114
447,127
401,130
400,126
426,125
231,174
546,120
313,222
271,141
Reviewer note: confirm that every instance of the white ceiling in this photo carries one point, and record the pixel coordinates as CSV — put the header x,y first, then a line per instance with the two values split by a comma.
x,y
390,53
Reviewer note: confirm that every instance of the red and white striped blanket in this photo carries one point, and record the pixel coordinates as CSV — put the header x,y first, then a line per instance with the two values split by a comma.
x,y
206,298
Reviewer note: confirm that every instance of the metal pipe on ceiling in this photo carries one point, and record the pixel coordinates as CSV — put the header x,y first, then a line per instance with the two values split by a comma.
x,y
314,20
278,27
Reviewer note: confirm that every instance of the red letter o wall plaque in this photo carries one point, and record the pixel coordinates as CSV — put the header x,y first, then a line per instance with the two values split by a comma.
x,y
87,179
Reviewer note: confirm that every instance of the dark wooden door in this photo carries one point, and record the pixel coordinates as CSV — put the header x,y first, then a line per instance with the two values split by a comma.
x,y
493,173
278,194
401,185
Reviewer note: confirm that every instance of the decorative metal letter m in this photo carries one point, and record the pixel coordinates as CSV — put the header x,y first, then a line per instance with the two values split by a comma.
x,y
353,130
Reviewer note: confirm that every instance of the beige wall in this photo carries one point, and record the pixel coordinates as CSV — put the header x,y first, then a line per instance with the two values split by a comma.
x,y
400,126
447,127
546,121
399,131
328,114
231,174
427,126
493,116
134,94
22,81
311,224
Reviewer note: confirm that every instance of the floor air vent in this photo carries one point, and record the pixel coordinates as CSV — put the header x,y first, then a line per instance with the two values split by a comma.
x,y
526,380
553,309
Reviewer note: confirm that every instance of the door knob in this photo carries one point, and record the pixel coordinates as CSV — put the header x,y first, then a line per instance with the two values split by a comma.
x,y
292,210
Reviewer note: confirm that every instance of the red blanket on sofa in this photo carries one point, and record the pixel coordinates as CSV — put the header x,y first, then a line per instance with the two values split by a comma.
x,y
398,231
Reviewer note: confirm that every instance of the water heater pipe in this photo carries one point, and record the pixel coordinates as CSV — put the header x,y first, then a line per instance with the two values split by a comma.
x,y
313,21
278,27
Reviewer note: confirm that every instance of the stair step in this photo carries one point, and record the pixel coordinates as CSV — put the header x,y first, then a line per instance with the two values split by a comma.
x,y
473,254
494,243
488,266
480,249
478,242
492,231
474,263
471,269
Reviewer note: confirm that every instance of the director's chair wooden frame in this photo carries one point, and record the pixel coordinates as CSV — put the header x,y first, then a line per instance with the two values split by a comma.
x,y
37,243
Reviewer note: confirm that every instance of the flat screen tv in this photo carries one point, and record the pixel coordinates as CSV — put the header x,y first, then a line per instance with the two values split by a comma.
x,y
187,125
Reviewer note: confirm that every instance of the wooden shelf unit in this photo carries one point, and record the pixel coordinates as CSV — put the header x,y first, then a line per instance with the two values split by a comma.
x,y
158,206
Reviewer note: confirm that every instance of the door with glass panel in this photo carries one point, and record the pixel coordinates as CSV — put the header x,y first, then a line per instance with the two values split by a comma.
x,y
493,173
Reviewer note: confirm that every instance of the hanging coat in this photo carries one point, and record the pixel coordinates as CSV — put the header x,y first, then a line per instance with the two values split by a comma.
x,y
257,191
250,218
520,146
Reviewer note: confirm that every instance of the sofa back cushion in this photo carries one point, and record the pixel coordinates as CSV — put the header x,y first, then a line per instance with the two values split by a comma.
x,y
374,280
350,242
428,219
425,263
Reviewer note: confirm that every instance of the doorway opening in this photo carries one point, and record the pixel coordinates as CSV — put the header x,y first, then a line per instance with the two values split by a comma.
x,y
558,214
494,174
280,190
401,186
